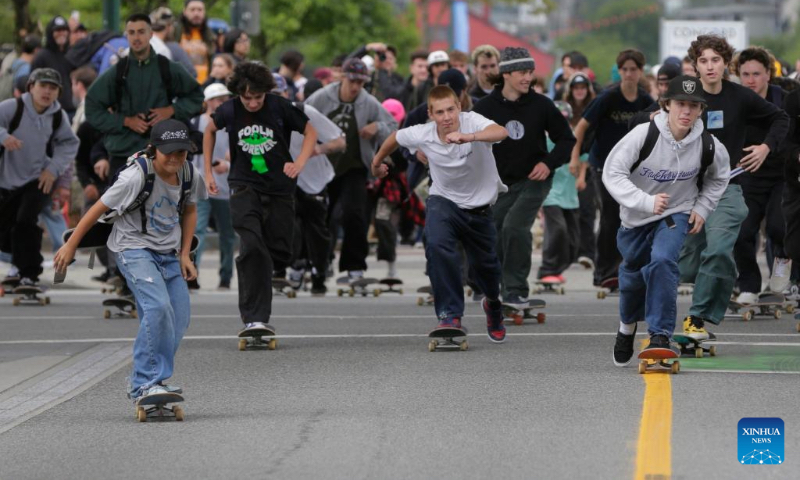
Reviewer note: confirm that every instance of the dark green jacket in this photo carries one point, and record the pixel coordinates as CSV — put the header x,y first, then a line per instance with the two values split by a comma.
x,y
143,91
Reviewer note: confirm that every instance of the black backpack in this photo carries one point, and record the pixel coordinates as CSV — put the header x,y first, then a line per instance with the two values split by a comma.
x,y
121,78
650,140
145,165
17,118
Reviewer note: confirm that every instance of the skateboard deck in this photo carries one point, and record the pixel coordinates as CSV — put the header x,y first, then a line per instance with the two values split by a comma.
x,y
548,287
768,305
609,288
445,338
360,287
28,294
126,307
695,348
253,339
389,285
518,315
428,299
658,360
281,286
156,406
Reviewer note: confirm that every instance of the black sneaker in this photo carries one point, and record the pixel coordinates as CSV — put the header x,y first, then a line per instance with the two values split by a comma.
x,y
623,347
318,287
103,277
658,341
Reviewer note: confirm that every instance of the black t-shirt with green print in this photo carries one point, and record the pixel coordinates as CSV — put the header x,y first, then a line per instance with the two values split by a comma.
x,y
260,142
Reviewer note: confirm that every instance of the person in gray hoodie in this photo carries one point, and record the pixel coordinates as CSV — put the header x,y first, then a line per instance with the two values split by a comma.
x,y
33,157
661,200
366,124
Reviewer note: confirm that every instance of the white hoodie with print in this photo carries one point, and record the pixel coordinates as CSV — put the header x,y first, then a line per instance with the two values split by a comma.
x,y
672,168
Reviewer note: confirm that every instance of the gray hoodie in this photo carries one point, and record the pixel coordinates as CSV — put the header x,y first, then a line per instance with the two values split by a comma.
x,y
23,166
671,168
368,109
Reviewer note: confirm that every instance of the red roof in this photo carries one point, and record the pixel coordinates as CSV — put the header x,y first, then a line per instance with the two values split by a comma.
x,y
482,32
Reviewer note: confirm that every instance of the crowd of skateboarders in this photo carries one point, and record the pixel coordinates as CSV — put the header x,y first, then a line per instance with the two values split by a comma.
x,y
183,130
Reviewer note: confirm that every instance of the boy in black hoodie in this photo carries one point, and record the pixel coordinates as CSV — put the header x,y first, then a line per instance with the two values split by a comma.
x,y
53,56
523,163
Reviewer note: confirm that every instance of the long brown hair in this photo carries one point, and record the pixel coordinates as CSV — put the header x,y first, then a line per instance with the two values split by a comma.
x,y
578,109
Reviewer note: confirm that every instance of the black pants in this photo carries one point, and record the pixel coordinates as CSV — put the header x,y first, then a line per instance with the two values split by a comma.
x,y
348,192
763,199
791,212
386,215
607,258
588,214
265,224
561,240
19,232
312,240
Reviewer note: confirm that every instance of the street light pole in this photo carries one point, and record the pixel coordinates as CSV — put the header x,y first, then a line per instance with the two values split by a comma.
x,y
111,15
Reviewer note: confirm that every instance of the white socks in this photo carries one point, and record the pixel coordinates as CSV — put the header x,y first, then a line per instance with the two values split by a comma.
x,y
627,328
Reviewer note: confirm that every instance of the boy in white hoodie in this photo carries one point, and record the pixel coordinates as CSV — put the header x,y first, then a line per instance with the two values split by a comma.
x,y
661,200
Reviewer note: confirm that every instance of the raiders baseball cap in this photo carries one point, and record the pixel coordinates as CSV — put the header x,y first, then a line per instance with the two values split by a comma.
x,y
170,136
684,87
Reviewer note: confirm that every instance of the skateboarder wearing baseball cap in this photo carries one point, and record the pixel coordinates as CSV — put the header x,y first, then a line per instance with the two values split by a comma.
x,y
151,242
667,176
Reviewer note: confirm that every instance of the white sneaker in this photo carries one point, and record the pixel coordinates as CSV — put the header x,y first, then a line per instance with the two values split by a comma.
x,y
255,326
587,262
781,271
747,298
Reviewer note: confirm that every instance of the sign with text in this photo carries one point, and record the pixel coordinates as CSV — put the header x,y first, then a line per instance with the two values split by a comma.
x,y
678,35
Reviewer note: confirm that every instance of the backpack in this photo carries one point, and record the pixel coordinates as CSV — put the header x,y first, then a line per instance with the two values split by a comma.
x,y
58,117
650,140
145,165
7,81
84,49
122,77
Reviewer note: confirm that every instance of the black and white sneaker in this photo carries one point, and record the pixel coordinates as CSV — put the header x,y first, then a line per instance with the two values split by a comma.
x,y
623,348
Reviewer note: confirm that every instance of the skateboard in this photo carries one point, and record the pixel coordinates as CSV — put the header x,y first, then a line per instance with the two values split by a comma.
x,y
548,287
156,406
686,289
8,285
768,305
389,285
518,315
30,295
114,285
359,287
444,338
126,307
283,287
609,288
691,347
427,300
657,360
254,339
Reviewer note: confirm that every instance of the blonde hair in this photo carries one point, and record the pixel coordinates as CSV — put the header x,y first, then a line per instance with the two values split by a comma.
x,y
484,51
441,92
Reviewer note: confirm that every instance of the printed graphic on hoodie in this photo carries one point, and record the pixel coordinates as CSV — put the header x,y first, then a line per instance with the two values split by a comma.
x,y
665,175
257,140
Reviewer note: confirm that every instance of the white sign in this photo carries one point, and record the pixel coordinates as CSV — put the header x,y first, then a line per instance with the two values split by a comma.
x,y
678,35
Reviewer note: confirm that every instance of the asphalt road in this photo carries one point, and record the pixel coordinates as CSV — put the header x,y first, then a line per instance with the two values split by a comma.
x,y
352,392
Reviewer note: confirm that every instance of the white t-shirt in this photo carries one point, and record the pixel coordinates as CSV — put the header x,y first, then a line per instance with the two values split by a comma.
x,y
221,147
318,172
161,207
464,174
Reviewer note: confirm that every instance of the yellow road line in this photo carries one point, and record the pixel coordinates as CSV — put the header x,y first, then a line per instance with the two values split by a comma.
x,y
654,449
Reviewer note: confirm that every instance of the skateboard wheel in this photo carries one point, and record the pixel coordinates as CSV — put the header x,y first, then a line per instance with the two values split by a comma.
x,y
747,315
798,326
106,313
2,292
134,313
242,344
377,292
642,366
420,301
601,295
789,309
518,319
400,291
272,344
141,414
47,300
432,345
776,314
540,317
469,292
712,351
42,302
178,411
352,292
561,291
339,292
464,346
675,367
698,353
16,301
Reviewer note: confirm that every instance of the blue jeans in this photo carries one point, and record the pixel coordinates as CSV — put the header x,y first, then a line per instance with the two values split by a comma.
x,y
648,275
162,301
55,224
446,226
221,210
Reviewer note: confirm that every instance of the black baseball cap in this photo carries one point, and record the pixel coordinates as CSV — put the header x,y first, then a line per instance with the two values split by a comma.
x,y
454,79
684,87
170,136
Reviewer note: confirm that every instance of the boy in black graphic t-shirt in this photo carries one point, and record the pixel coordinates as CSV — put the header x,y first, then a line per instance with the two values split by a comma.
x,y
262,181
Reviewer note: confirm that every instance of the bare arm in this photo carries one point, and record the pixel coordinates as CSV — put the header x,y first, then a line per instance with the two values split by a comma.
x,y
379,169
580,133
188,225
209,141
337,145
